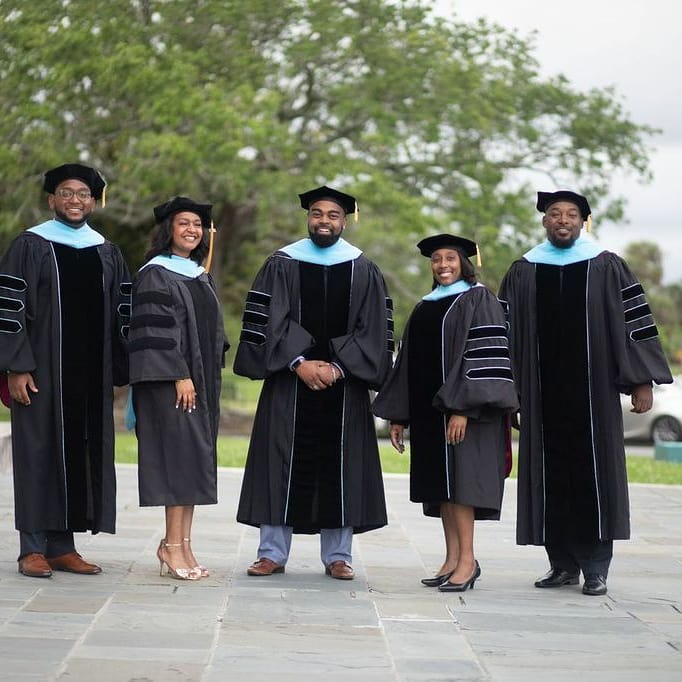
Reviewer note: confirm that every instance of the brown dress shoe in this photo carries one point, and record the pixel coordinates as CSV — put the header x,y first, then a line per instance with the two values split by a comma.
x,y
264,566
73,563
341,570
34,566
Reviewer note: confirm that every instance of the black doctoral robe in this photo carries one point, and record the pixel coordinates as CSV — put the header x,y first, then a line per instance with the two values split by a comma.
x,y
64,319
579,335
454,359
176,332
313,459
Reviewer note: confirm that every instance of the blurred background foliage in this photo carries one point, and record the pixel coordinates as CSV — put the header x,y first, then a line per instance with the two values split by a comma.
x,y
434,124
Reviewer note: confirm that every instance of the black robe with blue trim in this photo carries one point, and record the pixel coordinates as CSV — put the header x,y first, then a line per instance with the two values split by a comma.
x,y
64,318
313,459
176,332
579,335
454,359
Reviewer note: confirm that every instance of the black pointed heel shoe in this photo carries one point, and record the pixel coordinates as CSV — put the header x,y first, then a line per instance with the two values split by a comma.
x,y
437,579
447,586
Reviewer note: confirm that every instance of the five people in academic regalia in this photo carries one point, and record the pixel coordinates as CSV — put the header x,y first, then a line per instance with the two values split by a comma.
x,y
452,385
317,327
65,293
177,346
580,333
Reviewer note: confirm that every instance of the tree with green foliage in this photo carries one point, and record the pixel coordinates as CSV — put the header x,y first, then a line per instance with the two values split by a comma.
x,y
434,124
646,260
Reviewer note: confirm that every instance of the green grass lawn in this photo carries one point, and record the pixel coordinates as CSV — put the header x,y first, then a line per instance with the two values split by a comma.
x,y
232,453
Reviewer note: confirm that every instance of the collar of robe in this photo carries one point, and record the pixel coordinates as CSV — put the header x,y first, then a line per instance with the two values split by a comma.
x,y
308,252
441,291
177,264
76,237
547,254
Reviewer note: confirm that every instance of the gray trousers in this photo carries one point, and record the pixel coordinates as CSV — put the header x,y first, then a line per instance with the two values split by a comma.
x,y
335,544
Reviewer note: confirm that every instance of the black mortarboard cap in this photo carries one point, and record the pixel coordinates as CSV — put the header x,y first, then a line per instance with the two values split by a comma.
x,y
447,241
91,177
546,199
346,201
178,204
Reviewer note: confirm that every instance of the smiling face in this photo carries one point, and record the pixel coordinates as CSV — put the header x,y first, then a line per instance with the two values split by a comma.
x,y
563,222
187,233
72,210
446,266
326,220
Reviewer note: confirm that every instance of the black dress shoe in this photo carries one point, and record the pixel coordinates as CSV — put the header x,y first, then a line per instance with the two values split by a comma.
x,y
594,584
437,579
556,577
447,586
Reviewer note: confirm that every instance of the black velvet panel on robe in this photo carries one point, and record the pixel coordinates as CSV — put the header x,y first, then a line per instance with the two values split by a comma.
x,y
570,479
316,499
427,424
207,323
82,310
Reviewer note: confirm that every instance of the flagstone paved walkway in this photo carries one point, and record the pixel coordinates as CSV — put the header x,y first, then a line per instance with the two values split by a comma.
x,y
129,624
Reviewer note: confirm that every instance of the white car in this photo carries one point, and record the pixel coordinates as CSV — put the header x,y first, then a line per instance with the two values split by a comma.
x,y
663,422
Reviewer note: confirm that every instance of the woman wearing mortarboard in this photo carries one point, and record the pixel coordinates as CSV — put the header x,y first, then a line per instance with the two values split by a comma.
x,y
177,347
452,384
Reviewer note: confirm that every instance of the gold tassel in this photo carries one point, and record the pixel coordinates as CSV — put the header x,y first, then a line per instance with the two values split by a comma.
x,y
478,256
104,197
209,258
355,214
588,227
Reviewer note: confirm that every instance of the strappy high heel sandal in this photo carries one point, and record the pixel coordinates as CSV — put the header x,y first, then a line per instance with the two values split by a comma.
x,y
202,570
177,573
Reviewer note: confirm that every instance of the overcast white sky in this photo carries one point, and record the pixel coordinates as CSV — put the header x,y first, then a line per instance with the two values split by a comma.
x,y
636,46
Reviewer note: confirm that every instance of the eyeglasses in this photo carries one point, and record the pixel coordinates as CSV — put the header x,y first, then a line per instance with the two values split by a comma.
x,y
82,194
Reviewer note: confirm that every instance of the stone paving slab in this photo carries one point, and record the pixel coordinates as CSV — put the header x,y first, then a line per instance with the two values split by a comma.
x,y
318,650
131,625
124,670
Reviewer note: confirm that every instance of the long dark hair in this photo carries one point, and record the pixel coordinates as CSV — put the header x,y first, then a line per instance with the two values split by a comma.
x,y
468,271
162,239
466,266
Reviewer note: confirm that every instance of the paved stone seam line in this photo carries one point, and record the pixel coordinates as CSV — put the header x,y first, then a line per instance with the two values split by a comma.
x,y
418,620
357,553
22,608
654,630
387,645
220,619
65,662
220,615
462,632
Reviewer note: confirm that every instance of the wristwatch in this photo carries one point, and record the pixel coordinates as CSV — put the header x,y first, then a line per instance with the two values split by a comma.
x,y
294,365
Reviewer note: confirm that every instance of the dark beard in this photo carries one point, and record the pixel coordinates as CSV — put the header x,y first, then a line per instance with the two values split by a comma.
x,y
63,219
324,241
563,244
